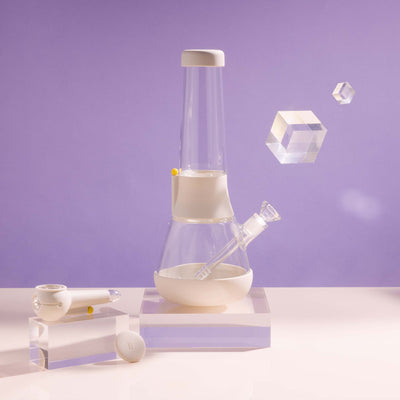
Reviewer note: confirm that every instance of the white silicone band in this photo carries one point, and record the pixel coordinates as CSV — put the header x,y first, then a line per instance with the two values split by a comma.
x,y
201,199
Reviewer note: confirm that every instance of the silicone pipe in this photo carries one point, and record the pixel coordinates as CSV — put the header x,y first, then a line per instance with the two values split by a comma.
x,y
53,301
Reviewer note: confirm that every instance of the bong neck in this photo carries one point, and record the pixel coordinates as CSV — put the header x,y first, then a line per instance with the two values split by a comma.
x,y
203,127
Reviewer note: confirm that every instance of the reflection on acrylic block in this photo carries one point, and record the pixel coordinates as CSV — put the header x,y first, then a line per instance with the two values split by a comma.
x,y
296,137
76,340
343,93
239,325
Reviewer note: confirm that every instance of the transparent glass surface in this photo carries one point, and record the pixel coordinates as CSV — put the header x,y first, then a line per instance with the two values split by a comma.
x,y
76,340
242,324
203,126
296,137
191,244
343,93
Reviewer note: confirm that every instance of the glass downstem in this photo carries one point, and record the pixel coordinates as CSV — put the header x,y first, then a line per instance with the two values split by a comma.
x,y
222,255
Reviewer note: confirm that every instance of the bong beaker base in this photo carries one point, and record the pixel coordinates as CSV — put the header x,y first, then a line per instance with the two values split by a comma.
x,y
226,285
187,242
216,281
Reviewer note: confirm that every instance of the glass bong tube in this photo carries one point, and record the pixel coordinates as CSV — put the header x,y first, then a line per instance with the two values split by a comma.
x,y
203,221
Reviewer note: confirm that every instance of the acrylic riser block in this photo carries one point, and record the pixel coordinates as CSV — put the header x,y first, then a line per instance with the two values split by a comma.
x,y
76,340
244,324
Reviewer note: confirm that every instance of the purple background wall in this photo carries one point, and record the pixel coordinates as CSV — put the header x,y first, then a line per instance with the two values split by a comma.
x,y
90,107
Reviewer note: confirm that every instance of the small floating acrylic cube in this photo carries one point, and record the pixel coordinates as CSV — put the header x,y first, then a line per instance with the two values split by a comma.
x,y
240,325
343,93
76,340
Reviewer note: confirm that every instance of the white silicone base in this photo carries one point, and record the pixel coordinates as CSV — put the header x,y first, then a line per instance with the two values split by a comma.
x,y
227,283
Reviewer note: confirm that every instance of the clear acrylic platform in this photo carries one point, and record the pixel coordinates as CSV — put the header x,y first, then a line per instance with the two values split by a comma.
x,y
240,325
76,340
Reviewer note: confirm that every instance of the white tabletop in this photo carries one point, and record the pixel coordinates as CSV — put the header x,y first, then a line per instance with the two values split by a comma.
x,y
327,343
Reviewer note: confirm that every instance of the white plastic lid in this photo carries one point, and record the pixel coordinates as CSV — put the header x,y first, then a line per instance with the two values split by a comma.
x,y
130,346
203,58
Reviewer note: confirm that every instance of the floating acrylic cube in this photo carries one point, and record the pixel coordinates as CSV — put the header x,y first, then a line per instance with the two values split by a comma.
x,y
244,324
76,340
296,137
343,93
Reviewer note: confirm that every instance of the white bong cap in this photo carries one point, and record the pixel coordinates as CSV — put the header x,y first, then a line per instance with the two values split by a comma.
x,y
203,58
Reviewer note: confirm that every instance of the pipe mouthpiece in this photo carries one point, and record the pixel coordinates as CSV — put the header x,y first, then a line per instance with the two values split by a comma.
x,y
114,294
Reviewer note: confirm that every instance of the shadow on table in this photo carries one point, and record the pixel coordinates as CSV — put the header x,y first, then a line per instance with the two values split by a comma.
x,y
10,367
393,292
154,353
